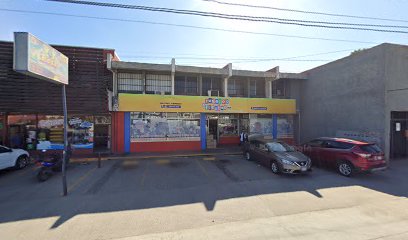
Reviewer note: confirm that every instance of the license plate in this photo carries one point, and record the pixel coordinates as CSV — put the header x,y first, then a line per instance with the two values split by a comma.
x,y
378,158
303,169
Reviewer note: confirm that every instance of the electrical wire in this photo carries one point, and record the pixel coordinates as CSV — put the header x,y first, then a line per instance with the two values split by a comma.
x,y
332,25
307,12
232,60
295,58
244,60
187,26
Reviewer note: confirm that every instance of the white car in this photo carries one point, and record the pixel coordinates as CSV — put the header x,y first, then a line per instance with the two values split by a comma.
x,y
17,158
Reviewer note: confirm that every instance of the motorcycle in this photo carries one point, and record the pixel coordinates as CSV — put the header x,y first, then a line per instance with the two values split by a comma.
x,y
49,165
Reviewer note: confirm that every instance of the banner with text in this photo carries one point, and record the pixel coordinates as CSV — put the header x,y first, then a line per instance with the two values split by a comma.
x,y
204,104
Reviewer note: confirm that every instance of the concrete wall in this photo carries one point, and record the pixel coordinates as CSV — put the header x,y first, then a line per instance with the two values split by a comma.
x,y
295,92
396,75
347,94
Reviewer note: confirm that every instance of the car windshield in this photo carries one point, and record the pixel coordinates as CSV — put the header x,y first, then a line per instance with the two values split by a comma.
x,y
279,147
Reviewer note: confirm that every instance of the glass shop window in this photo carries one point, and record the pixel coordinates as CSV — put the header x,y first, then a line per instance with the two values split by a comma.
x,y
81,132
50,132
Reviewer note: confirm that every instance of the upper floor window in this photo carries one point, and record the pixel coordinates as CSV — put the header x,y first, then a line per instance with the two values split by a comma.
x,y
211,83
280,88
158,84
257,88
130,82
237,88
186,85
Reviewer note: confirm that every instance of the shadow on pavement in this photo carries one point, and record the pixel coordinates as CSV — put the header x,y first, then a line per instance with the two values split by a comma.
x,y
122,185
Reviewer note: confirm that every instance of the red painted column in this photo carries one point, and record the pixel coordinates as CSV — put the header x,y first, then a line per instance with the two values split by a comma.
x,y
118,132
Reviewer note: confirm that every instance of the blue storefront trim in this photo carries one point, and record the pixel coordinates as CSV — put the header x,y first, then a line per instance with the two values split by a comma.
x,y
203,135
274,126
127,132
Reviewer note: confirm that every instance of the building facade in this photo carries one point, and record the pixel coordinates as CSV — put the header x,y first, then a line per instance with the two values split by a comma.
x,y
31,110
126,107
167,107
362,96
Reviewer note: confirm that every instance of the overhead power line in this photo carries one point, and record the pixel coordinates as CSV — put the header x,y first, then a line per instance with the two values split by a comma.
x,y
226,59
186,26
308,12
295,58
319,24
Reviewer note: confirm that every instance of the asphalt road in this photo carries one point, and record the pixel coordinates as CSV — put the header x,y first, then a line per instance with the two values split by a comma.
x,y
203,197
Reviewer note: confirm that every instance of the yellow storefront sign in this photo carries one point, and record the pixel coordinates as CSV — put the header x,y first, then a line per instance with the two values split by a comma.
x,y
204,104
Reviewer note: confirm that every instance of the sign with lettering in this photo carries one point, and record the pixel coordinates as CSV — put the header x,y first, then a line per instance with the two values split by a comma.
x,y
202,104
35,58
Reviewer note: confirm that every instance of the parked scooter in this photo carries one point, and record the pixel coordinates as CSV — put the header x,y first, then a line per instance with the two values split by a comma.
x,y
50,165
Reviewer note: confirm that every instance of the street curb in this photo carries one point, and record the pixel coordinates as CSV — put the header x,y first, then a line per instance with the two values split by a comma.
x,y
75,160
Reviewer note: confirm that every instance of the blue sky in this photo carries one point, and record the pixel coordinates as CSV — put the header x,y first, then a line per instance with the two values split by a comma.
x,y
158,44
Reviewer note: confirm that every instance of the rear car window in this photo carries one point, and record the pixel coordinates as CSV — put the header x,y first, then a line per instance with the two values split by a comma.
x,y
315,143
342,145
370,148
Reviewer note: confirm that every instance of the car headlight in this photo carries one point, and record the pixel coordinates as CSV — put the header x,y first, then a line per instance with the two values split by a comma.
x,y
284,161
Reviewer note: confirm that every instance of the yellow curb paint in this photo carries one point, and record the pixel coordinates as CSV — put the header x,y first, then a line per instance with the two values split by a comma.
x,y
162,161
130,163
155,156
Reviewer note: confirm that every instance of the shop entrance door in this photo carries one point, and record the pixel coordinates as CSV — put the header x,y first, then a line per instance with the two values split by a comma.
x,y
399,135
101,138
212,137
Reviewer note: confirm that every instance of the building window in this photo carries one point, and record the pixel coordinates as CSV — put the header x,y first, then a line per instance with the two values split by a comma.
x,y
130,82
211,83
285,126
256,88
158,84
261,124
237,88
157,127
252,88
228,125
279,89
81,132
186,85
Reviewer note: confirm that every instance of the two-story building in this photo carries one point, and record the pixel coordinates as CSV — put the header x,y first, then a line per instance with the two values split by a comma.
x,y
167,107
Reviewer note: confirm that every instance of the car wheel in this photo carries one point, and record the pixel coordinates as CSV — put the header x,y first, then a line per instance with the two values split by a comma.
x,y
247,156
345,168
275,167
21,162
43,175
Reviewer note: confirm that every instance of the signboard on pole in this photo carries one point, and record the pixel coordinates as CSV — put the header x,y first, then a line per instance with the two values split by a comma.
x,y
35,58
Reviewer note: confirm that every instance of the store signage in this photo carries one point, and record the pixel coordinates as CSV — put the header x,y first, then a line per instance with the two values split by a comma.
x,y
74,121
50,123
216,104
201,104
259,108
102,120
35,58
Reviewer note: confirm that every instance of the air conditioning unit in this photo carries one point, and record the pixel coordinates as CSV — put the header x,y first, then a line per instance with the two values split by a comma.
x,y
213,93
160,92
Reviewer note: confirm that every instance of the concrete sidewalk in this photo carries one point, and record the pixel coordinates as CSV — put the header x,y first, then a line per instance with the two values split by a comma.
x,y
233,150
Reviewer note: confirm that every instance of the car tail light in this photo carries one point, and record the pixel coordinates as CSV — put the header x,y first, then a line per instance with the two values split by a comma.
x,y
363,155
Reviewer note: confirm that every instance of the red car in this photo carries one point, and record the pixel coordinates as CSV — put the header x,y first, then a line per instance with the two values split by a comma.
x,y
346,155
